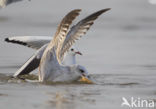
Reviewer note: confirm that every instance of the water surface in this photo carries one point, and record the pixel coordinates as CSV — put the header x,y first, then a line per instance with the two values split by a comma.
x,y
119,52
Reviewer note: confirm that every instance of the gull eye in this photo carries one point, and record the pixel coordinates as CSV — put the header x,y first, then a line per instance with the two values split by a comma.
x,y
72,49
82,71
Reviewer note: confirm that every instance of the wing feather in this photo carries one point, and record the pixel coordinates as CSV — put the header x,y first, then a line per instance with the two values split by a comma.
x,y
32,63
79,30
35,42
62,31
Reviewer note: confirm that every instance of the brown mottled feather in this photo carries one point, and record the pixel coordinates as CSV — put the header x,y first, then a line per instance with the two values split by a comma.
x,y
79,30
61,32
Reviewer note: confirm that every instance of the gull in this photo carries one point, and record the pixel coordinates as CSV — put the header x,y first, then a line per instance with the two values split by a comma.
x,y
4,3
51,67
39,43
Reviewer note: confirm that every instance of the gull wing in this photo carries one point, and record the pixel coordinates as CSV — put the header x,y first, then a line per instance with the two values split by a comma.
x,y
34,42
79,30
29,66
50,60
32,63
62,31
4,3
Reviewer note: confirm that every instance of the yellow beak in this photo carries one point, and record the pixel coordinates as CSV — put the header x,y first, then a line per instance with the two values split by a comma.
x,y
85,80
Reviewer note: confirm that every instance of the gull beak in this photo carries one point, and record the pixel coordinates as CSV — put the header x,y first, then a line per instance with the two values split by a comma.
x,y
79,53
86,79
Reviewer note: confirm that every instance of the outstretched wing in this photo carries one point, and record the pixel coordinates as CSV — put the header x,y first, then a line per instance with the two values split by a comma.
x,y
62,31
32,63
29,66
79,30
34,42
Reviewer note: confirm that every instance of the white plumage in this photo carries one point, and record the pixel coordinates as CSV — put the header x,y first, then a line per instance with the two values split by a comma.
x,y
51,68
39,43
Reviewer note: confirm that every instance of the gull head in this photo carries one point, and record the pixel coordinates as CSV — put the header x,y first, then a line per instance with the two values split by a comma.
x,y
74,52
70,57
82,71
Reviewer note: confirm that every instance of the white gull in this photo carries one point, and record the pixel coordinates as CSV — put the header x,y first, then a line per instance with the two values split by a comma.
x,y
51,68
39,43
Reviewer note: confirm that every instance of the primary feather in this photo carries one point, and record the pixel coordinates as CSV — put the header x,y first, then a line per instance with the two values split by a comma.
x,y
62,30
79,30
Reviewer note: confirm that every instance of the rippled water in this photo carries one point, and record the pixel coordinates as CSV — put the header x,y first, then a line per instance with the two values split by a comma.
x,y
119,52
